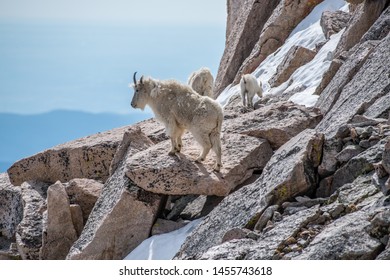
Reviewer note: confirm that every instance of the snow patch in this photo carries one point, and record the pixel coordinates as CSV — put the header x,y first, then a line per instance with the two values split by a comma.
x,y
310,75
163,246
307,34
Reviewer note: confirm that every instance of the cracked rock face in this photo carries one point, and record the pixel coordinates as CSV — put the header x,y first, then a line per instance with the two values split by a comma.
x,y
123,215
296,57
267,244
353,224
333,22
11,209
156,171
59,232
243,27
289,172
277,122
362,19
88,157
29,231
286,16
84,192
370,83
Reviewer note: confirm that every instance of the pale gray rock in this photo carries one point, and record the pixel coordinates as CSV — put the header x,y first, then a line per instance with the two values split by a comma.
x,y
328,75
153,129
333,22
355,2
233,13
380,108
156,171
370,83
329,163
248,21
285,17
29,230
164,226
383,184
235,249
380,28
265,217
11,210
347,238
304,202
235,233
175,205
89,157
386,156
122,216
362,19
191,207
268,243
360,164
344,75
77,218
277,122
289,172
357,191
85,193
58,232
200,207
295,58
385,255
280,235
348,152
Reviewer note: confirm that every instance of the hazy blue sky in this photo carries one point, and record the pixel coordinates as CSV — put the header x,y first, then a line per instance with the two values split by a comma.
x,y
118,11
80,54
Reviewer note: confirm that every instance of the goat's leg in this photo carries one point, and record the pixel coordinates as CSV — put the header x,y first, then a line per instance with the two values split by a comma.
x,y
172,133
243,98
173,147
204,140
250,100
215,138
179,142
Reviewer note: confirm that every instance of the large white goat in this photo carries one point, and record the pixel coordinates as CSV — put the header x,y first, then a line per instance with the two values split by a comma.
x,y
202,82
250,87
180,108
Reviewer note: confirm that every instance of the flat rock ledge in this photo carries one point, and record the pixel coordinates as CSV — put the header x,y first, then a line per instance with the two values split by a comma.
x,y
89,157
155,171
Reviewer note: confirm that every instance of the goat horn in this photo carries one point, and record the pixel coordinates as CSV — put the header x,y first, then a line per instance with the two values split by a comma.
x,y
141,80
134,78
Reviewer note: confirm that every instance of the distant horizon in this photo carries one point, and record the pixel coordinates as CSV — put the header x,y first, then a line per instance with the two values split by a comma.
x,y
66,64
88,67
26,135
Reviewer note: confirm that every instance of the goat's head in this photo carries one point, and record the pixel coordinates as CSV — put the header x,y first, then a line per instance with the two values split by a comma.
x,y
141,93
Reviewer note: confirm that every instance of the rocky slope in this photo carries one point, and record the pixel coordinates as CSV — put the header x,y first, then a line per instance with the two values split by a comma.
x,y
296,182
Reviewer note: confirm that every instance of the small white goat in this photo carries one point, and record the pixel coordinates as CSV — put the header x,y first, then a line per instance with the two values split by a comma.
x,y
250,87
180,108
202,82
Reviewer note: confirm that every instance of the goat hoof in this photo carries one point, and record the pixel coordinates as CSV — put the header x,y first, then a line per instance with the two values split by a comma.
x,y
217,167
171,153
199,160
